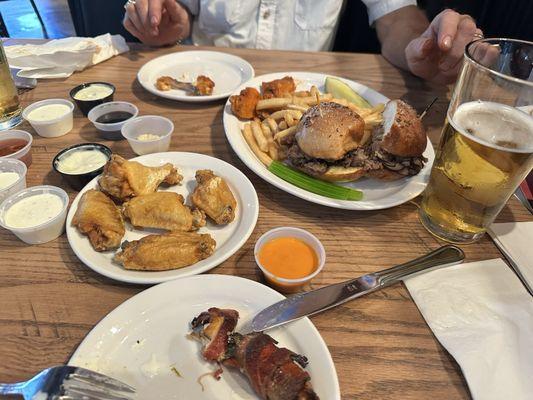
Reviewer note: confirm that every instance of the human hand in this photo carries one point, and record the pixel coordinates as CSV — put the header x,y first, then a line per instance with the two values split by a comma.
x,y
157,22
437,54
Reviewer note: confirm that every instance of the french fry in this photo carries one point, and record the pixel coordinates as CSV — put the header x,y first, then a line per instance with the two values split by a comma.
x,y
282,125
259,137
302,93
273,151
289,119
267,133
272,125
249,137
297,107
313,91
273,104
283,136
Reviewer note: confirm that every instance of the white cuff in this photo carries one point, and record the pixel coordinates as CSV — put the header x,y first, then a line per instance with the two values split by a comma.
x,y
379,8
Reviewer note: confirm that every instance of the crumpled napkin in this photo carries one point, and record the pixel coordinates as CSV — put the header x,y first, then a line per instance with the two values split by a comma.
x,y
62,57
483,316
516,241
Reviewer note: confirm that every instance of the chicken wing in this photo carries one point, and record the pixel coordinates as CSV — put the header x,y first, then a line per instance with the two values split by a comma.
x,y
163,252
243,105
213,196
204,85
100,219
123,179
278,87
163,210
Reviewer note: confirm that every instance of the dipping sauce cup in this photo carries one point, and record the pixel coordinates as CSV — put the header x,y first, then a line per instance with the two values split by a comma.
x,y
12,177
148,134
109,118
81,163
16,144
293,247
89,95
36,214
50,118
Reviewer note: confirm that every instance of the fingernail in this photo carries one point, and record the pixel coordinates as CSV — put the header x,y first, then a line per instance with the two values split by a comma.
x,y
447,42
154,21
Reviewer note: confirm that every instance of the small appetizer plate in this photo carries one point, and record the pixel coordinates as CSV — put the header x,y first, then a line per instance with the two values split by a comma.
x,y
226,70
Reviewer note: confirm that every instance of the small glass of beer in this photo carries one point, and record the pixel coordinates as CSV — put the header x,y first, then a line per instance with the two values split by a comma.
x,y
486,147
10,109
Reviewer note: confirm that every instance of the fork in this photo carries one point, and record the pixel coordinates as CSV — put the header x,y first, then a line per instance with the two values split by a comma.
x,y
69,383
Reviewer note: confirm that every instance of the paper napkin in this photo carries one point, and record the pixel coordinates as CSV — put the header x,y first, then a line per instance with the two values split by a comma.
x,y
62,57
483,316
516,239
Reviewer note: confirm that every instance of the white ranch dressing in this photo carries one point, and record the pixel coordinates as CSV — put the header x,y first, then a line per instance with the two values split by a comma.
x,y
80,161
8,178
93,92
34,210
48,112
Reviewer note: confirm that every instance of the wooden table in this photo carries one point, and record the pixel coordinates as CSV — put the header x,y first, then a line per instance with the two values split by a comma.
x,y
381,346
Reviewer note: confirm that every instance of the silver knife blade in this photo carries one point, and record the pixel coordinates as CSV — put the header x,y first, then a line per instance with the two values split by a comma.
x,y
315,301
309,303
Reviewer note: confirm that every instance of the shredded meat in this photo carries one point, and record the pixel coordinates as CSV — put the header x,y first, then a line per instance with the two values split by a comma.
x,y
368,157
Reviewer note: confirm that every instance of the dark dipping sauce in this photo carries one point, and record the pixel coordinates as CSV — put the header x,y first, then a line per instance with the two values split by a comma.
x,y
10,146
114,117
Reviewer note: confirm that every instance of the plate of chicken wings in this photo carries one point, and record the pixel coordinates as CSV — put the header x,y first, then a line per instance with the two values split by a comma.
x,y
187,339
161,216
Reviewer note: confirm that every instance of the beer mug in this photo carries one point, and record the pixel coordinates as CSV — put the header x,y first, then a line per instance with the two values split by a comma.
x,y
486,147
10,110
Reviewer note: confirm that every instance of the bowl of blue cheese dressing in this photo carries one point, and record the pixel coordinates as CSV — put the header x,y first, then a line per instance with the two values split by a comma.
x,y
50,118
81,163
89,95
36,214
12,177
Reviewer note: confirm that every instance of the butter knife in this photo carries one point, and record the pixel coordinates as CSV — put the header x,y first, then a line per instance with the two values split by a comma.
x,y
315,301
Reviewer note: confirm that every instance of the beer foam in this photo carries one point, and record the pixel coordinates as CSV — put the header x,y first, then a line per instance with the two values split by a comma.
x,y
495,125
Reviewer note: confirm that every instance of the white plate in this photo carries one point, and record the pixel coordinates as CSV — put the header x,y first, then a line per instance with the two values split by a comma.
x,y
229,237
159,319
376,194
226,70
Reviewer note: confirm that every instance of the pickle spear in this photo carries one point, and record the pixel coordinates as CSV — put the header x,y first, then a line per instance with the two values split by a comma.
x,y
341,90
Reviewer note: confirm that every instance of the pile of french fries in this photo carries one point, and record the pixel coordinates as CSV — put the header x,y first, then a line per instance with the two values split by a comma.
x,y
269,134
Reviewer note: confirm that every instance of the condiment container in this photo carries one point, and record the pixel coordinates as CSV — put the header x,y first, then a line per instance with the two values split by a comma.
x,y
87,104
77,180
14,166
15,139
286,285
111,131
135,128
51,125
43,232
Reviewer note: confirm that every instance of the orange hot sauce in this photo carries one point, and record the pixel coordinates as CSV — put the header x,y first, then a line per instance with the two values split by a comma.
x,y
288,258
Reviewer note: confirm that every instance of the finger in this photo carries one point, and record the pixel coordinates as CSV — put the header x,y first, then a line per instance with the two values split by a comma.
x,y
419,48
465,34
130,27
176,12
155,12
445,28
141,7
134,18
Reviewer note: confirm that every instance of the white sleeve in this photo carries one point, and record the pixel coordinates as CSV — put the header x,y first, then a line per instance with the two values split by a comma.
x,y
378,8
192,5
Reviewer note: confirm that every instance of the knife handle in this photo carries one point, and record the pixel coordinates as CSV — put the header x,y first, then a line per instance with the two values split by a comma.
x,y
443,256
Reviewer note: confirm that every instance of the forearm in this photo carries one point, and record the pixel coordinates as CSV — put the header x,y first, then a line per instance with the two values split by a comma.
x,y
396,29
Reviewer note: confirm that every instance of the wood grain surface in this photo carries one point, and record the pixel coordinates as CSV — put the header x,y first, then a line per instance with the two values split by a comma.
x,y
381,346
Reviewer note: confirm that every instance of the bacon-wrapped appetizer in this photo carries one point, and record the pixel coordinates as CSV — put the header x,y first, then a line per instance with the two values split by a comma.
x,y
274,372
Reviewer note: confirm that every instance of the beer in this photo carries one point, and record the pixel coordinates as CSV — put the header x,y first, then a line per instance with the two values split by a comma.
x,y
10,110
486,150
